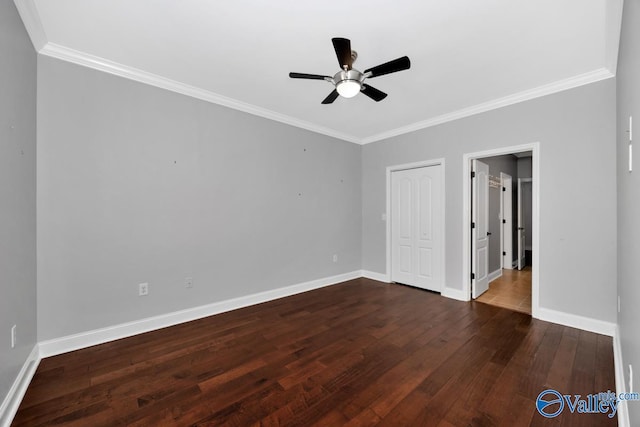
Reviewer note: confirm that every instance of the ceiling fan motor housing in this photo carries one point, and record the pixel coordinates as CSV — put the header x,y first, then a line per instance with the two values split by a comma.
x,y
352,74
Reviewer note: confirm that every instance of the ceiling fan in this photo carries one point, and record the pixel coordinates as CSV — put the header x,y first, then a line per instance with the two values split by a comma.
x,y
349,81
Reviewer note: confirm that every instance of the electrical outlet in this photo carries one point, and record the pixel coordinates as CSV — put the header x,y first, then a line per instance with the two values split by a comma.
x,y
188,282
143,289
335,258
13,336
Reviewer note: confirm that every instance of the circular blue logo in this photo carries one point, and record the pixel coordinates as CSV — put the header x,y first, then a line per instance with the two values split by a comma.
x,y
546,401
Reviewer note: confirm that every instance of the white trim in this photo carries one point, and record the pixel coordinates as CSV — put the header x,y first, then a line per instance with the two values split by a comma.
x,y
613,26
14,397
29,14
376,276
456,294
495,275
415,165
534,147
548,89
576,321
99,336
501,221
107,66
621,386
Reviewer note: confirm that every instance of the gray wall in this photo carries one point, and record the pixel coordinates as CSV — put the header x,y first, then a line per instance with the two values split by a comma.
x,y
575,128
524,167
17,194
138,184
628,79
506,164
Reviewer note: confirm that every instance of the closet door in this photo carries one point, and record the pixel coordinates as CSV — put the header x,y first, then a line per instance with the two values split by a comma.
x,y
417,227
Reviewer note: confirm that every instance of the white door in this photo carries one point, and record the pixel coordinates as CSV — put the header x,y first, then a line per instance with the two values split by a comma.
x,y
506,218
479,227
521,227
417,227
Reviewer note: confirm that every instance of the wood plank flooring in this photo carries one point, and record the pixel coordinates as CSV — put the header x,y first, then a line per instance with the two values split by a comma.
x,y
358,353
512,290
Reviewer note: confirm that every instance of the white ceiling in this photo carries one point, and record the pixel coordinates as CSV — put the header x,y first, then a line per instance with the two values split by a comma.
x,y
467,56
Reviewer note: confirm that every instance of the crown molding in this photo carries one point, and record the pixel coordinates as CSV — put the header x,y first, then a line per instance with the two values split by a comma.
x,y
29,14
613,26
80,58
31,19
558,86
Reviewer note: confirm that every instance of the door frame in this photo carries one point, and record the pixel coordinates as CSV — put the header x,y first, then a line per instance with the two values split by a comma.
x,y
387,218
534,147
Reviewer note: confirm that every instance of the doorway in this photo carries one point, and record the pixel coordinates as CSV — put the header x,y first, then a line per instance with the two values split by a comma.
x,y
512,278
415,224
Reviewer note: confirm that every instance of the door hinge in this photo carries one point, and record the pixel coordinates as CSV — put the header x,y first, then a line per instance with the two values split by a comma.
x,y
473,276
504,221
473,225
473,174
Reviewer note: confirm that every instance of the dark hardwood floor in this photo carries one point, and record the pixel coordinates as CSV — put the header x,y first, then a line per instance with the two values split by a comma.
x,y
357,353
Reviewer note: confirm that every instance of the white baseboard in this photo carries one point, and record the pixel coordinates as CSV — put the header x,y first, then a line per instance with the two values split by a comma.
x,y
575,321
12,401
53,347
621,387
376,276
495,274
103,335
458,294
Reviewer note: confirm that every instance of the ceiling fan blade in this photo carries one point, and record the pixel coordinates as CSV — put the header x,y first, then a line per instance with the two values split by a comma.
x,y
307,76
332,97
373,93
343,52
390,67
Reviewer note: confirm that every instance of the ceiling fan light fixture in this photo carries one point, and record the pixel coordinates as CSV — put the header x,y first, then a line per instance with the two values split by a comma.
x,y
348,88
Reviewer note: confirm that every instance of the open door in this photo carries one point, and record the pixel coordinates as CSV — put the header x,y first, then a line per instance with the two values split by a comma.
x,y
506,217
479,227
521,230
524,219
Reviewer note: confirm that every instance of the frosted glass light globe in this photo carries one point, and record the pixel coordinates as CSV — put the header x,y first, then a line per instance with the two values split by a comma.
x,y
348,88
